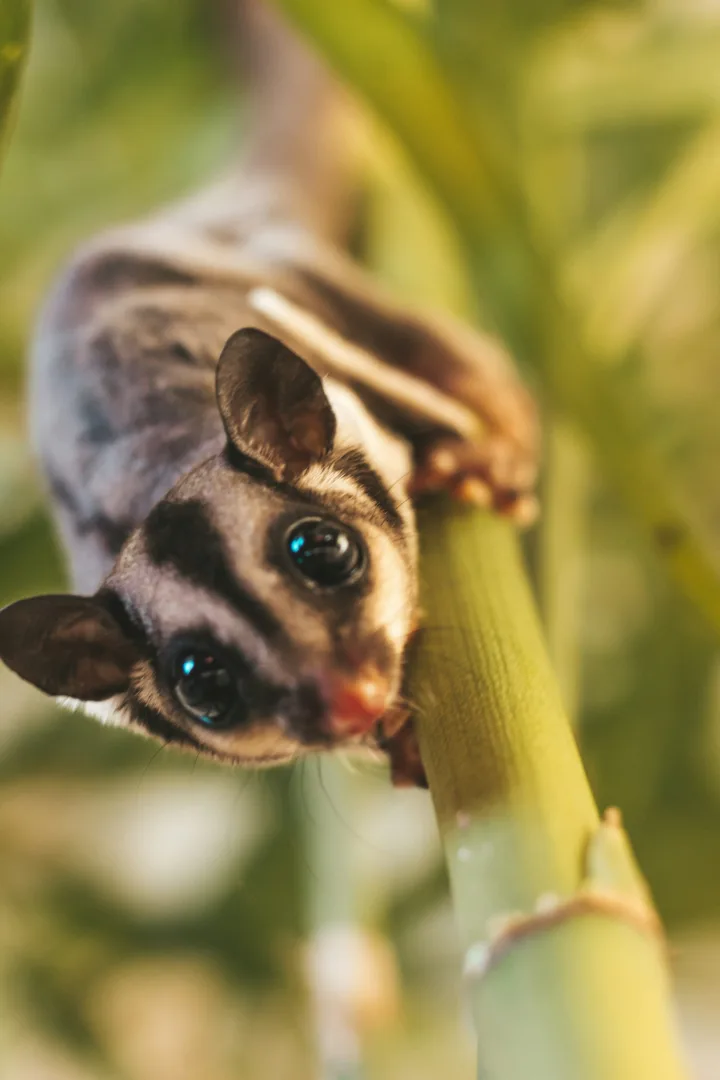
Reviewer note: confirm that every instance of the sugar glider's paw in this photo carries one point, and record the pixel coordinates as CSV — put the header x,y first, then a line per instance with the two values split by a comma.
x,y
493,472
403,751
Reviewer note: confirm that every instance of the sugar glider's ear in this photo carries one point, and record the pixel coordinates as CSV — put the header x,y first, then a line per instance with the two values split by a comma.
x,y
273,404
67,646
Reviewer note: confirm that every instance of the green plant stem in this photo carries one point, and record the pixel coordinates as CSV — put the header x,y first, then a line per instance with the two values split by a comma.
x,y
586,997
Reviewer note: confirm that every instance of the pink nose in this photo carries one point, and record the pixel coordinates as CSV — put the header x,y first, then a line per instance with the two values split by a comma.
x,y
355,705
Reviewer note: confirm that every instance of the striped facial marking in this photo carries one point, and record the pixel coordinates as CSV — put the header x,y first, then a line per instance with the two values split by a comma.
x,y
252,649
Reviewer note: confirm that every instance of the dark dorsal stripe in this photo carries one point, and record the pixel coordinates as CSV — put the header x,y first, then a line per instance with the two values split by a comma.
x,y
356,466
182,536
113,533
114,271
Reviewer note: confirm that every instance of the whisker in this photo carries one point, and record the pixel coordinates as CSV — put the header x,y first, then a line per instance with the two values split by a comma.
x,y
153,757
302,772
400,479
348,762
304,853
404,502
249,776
341,818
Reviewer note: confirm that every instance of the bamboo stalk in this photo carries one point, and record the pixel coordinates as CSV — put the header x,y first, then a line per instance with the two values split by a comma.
x,y
564,956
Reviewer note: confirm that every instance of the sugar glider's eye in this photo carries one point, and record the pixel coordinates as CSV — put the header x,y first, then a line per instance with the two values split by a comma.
x,y
206,690
326,553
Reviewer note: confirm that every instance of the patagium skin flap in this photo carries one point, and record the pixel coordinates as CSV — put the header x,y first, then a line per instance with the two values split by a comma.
x,y
232,421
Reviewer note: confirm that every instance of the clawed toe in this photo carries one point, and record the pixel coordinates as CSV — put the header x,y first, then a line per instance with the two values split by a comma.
x,y
494,474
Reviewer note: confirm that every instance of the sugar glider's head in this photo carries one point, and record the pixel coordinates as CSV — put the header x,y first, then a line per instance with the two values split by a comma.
x,y
263,607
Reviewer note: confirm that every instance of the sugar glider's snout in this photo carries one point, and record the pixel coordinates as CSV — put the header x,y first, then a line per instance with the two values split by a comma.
x,y
355,705
336,708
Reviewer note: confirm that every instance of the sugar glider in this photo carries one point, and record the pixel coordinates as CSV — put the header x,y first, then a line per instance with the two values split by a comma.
x,y
231,419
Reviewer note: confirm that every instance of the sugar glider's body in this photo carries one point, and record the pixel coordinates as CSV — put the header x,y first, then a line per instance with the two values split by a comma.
x,y
123,390
230,417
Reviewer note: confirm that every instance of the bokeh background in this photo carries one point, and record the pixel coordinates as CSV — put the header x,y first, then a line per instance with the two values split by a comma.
x,y
155,911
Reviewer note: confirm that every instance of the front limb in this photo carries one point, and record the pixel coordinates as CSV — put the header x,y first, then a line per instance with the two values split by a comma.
x,y
454,393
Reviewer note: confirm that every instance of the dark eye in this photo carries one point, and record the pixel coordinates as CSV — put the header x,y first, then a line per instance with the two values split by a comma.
x,y
206,689
326,553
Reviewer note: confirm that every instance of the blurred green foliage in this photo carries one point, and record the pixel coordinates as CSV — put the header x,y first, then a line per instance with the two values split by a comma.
x,y
593,140
14,40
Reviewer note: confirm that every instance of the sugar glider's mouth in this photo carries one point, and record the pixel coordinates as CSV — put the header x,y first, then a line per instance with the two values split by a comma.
x,y
355,705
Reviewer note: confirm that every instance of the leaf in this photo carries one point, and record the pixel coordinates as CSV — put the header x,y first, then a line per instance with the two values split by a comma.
x,y
658,237
486,46
635,71
14,37
517,16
